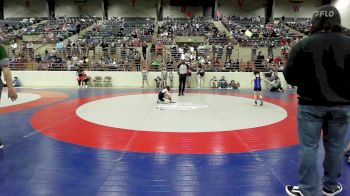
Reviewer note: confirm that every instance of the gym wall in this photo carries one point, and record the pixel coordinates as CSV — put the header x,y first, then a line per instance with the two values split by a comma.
x,y
288,9
182,12
23,8
125,8
344,9
73,9
247,8
125,79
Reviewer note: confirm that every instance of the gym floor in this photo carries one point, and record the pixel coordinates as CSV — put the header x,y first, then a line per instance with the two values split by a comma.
x,y
105,141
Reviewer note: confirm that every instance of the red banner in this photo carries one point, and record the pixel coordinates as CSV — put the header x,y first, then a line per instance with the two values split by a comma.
x,y
296,8
27,3
240,3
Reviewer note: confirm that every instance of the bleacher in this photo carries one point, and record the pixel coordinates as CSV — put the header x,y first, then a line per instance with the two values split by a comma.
x,y
124,28
15,28
261,33
63,28
187,27
302,25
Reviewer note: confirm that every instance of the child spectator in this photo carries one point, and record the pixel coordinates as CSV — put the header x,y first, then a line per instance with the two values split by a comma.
x,y
171,79
144,76
234,85
164,76
200,75
158,81
213,82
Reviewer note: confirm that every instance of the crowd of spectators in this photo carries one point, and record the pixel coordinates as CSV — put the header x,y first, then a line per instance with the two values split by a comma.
x,y
302,25
16,27
250,31
123,43
131,32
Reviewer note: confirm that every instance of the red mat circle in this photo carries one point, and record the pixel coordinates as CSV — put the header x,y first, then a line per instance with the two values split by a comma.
x,y
61,122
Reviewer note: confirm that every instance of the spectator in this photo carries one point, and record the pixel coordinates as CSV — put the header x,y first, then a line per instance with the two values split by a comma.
x,y
223,83
171,79
82,77
104,46
213,82
158,81
14,47
164,76
16,82
319,66
234,85
78,28
229,50
144,76
30,48
144,50
70,65
60,46
200,75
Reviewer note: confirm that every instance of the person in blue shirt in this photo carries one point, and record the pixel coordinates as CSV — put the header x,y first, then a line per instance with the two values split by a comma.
x,y
60,46
256,81
16,82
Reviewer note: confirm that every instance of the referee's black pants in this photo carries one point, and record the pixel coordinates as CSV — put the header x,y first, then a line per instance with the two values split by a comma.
x,y
182,83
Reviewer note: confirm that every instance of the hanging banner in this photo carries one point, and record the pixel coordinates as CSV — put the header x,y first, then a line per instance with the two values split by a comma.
x,y
27,3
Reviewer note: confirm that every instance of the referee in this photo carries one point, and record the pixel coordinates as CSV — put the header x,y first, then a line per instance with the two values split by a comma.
x,y
183,71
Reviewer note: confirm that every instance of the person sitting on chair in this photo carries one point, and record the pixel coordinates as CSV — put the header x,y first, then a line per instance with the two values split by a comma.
x,y
223,83
164,96
234,85
213,82
16,82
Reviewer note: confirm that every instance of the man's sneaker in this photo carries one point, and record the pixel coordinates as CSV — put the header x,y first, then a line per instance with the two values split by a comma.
x,y
349,161
293,191
334,192
1,146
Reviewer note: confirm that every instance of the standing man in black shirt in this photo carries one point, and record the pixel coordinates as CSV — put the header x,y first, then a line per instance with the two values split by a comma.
x,y
5,69
182,70
320,67
144,50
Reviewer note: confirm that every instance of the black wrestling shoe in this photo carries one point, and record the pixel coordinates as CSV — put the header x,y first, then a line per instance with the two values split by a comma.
x,y
328,192
293,190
